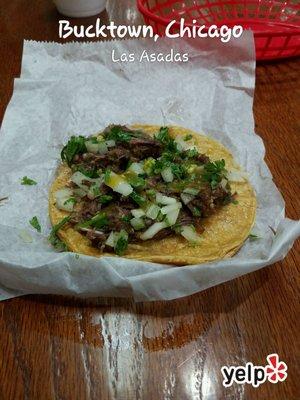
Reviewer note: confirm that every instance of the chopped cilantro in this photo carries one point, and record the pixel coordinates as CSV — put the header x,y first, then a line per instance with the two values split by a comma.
x,y
187,138
136,182
253,237
121,242
54,239
105,198
235,202
162,163
96,190
197,212
98,221
27,181
169,156
75,145
170,159
34,222
106,175
164,137
90,173
163,134
151,193
159,165
140,200
214,172
179,171
70,200
191,153
160,217
94,140
126,218
118,134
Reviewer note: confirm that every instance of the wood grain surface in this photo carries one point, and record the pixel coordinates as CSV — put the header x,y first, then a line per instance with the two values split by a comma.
x,y
59,348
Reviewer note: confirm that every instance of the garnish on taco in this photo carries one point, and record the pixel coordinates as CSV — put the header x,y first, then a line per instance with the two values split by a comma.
x,y
164,195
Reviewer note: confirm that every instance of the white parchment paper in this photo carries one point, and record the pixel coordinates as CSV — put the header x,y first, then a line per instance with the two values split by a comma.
x,y
77,89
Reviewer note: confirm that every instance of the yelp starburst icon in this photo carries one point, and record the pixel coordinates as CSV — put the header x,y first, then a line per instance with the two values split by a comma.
x,y
276,370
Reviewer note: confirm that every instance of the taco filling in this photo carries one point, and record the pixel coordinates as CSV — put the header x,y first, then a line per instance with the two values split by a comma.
x,y
127,187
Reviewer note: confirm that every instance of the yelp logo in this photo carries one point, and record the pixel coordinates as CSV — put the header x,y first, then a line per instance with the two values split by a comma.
x,y
274,371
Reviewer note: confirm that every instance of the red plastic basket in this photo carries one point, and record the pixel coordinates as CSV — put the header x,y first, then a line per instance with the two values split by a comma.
x,y
276,24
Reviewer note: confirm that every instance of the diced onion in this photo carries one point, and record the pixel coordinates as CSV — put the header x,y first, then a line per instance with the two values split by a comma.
x,y
181,144
65,205
153,230
119,184
123,188
172,216
162,199
152,211
236,176
190,234
91,192
110,241
167,174
110,143
102,148
79,177
65,192
137,223
91,146
170,208
138,213
223,183
186,198
79,192
137,168
192,191
184,145
61,197
25,236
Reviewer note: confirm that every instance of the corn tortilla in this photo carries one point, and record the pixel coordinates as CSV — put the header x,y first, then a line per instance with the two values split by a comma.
x,y
225,231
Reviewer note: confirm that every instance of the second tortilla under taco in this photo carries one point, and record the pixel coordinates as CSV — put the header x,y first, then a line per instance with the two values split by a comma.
x,y
166,195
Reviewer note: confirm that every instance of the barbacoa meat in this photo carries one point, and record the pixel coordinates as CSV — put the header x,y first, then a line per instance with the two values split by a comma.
x,y
135,146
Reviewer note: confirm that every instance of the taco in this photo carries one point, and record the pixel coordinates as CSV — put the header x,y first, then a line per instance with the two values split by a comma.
x,y
165,195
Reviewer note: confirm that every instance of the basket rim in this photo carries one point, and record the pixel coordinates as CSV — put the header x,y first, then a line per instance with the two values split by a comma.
x,y
157,18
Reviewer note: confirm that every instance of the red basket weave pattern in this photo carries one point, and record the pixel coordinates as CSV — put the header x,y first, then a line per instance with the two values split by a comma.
x,y
276,24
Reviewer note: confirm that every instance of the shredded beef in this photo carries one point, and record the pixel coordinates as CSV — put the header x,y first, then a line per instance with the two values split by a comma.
x,y
184,218
93,234
141,148
88,210
219,195
153,181
202,158
163,234
116,159
115,215
125,203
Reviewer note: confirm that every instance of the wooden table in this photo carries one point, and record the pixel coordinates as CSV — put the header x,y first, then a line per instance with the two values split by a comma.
x,y
56,348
